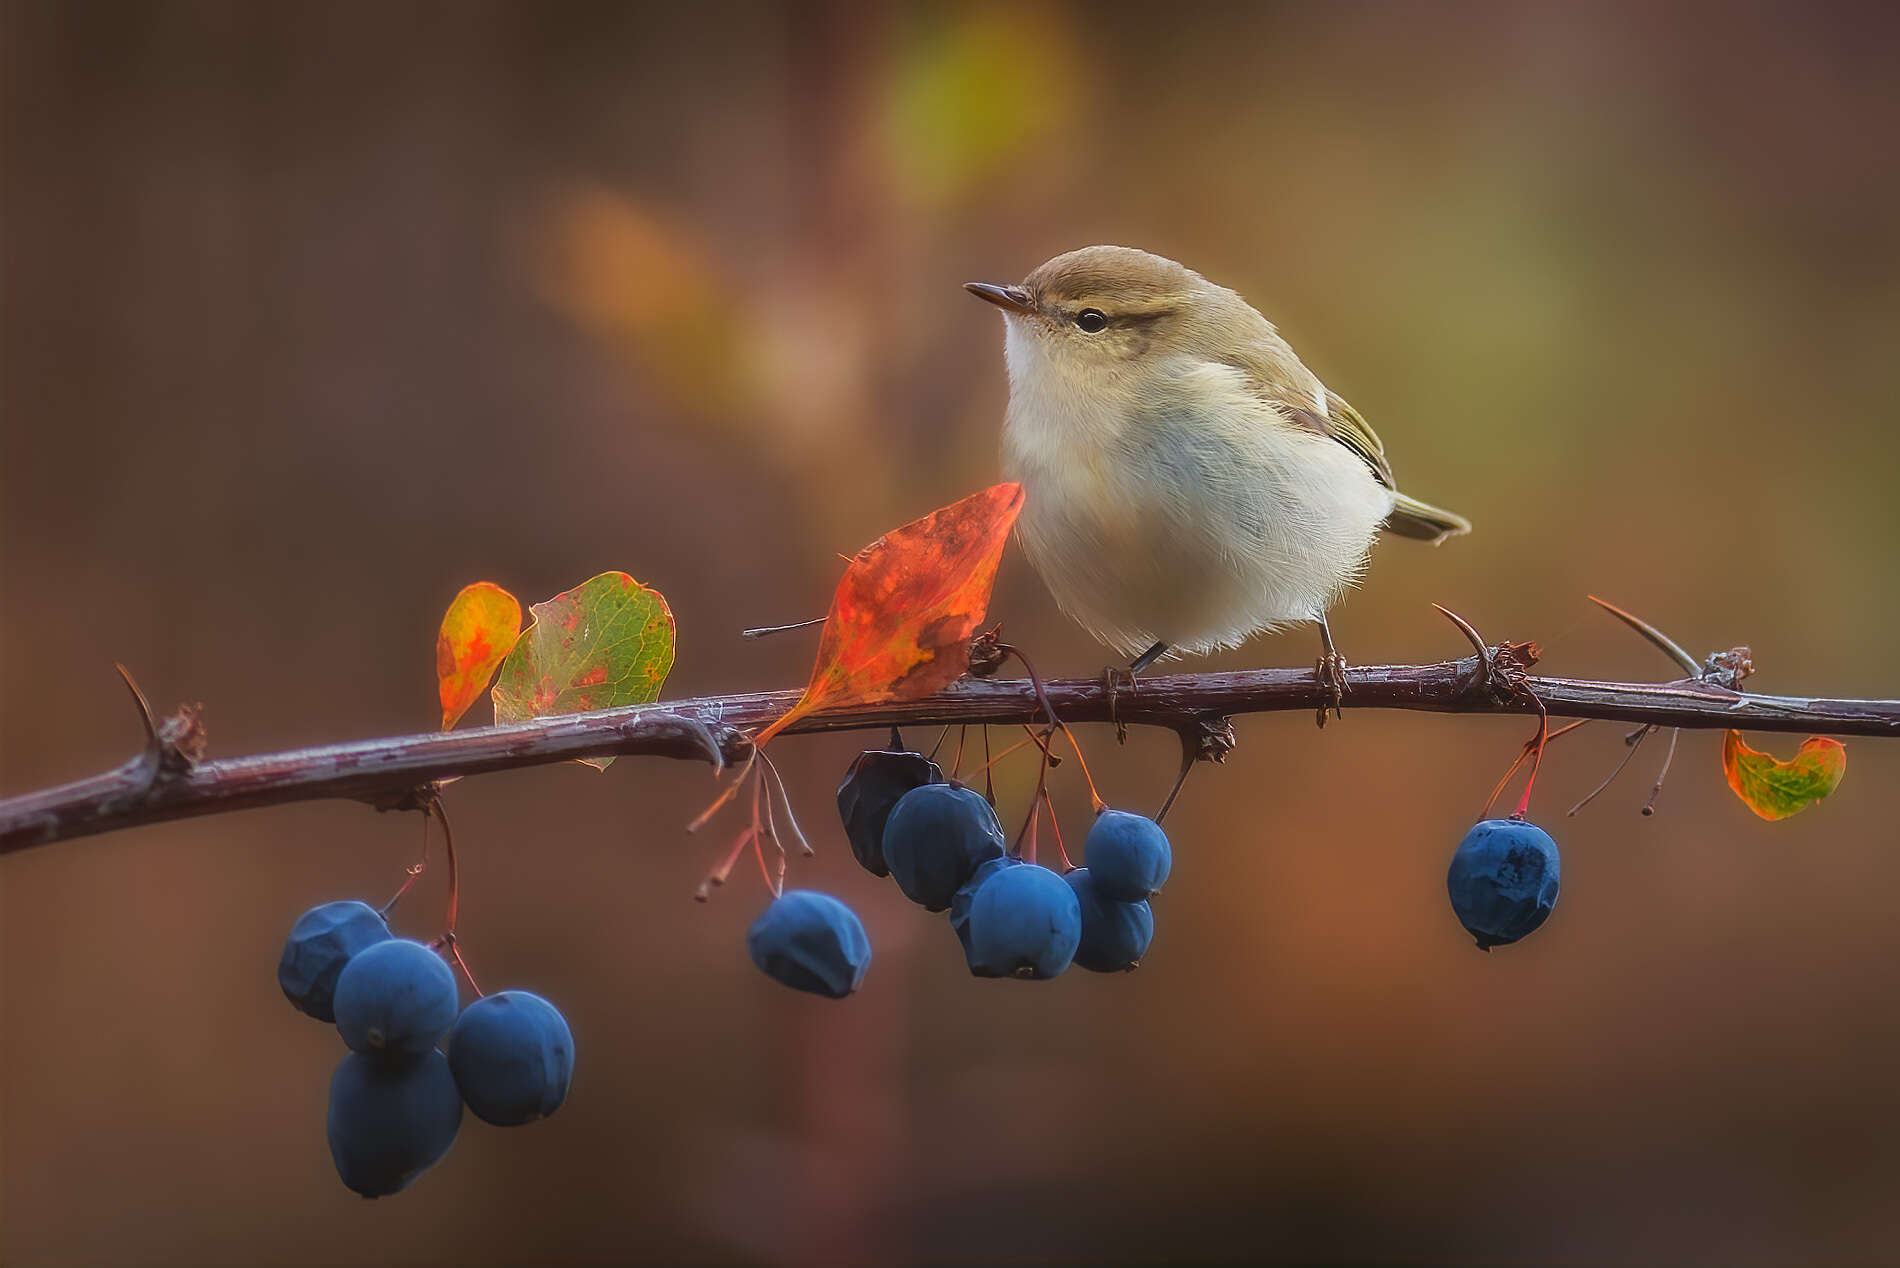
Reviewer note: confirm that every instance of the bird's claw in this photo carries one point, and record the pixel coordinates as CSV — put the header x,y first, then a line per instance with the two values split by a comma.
x,y
1331,672
1113,678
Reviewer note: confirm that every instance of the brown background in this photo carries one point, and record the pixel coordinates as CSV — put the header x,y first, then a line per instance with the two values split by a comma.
x,y
315,312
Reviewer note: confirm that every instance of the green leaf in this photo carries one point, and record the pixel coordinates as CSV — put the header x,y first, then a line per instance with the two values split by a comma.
x,y
1775,789
607,642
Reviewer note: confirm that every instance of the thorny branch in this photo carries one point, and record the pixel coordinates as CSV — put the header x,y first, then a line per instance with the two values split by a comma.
x,y
169,779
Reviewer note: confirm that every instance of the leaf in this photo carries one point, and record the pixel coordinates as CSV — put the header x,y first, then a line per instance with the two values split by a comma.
x,y
607,642
907,606
1775,789
479,628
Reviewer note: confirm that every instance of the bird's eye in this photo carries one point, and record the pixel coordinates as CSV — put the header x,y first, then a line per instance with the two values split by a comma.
x,y
1090,321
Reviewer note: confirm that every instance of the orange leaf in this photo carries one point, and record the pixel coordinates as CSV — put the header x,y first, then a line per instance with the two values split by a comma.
x,y
479,628
1775,789
907,606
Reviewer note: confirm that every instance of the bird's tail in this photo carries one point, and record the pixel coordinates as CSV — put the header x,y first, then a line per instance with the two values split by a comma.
x,y
1413,518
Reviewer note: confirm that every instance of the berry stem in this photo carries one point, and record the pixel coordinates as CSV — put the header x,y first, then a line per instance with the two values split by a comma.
x,y
453,907
785,799
415,869
1055,826
984,769
1537,760
1049,710
729,792
761,832
448,941
989,780
1530,746
1649,807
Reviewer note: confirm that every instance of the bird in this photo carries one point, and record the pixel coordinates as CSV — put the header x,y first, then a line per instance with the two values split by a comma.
x,y
1188,482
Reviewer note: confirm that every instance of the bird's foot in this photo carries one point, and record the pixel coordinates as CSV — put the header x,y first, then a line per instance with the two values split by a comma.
x,y
1113,679
1331,672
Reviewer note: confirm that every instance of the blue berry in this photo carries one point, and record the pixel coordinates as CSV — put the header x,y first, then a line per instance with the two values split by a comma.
x,y
320,944
870,789
513,1057
966,898
936,838
1115,935
395,999
811,942
1128,855
1503,880
1024,922
390,1123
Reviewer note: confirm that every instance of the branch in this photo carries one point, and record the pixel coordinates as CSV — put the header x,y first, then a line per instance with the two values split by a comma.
x,y
165,782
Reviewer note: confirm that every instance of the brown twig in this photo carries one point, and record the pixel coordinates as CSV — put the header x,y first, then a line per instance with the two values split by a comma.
x,y
383,772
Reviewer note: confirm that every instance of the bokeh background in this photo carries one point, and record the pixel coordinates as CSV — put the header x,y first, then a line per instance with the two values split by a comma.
x,y
315,312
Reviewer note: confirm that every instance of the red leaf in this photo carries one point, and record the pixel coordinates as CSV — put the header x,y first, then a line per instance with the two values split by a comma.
x,y
478,630
907,606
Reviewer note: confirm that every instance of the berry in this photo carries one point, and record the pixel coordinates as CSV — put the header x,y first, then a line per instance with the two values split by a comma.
x,y
811,942
1115,935
936,838
966,897
320,944
390,1123
395,999
512,1056
1503,880
1024,922
870,788
1128,855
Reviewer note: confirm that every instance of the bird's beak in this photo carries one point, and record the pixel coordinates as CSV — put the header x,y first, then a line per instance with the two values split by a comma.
x,y
1009,298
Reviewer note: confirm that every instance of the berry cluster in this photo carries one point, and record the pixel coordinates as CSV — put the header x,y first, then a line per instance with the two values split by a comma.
x,y
396,1100
942,844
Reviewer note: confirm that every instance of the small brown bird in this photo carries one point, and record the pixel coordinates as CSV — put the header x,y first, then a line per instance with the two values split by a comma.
x,y
1190,483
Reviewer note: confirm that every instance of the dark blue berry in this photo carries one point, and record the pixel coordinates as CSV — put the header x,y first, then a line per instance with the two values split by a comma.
x,y
870,789
1503,880
966,897
389,1123
936,838
1115,935
513,1057
1128,855
1024,922
811,942
320,944
395,999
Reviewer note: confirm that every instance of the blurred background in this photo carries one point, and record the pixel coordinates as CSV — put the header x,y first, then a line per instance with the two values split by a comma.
x,y
313,313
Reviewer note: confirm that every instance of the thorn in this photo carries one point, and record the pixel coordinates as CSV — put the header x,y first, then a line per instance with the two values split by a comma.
x,y
766,631
1668,646
154,747
708,742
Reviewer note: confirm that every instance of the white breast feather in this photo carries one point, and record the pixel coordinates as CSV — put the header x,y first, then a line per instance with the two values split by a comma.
x,y
1181,508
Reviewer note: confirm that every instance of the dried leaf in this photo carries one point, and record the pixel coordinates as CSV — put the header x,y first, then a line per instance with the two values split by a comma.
x,y
907,606
607,642
479,628
1775,789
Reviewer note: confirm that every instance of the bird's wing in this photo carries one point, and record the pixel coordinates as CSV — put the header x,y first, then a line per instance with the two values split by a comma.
x,y
1343,423
1278,378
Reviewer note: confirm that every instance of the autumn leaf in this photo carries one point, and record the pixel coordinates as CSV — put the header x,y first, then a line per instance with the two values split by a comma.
x,y
479,628
907,606
607,642
1775,789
